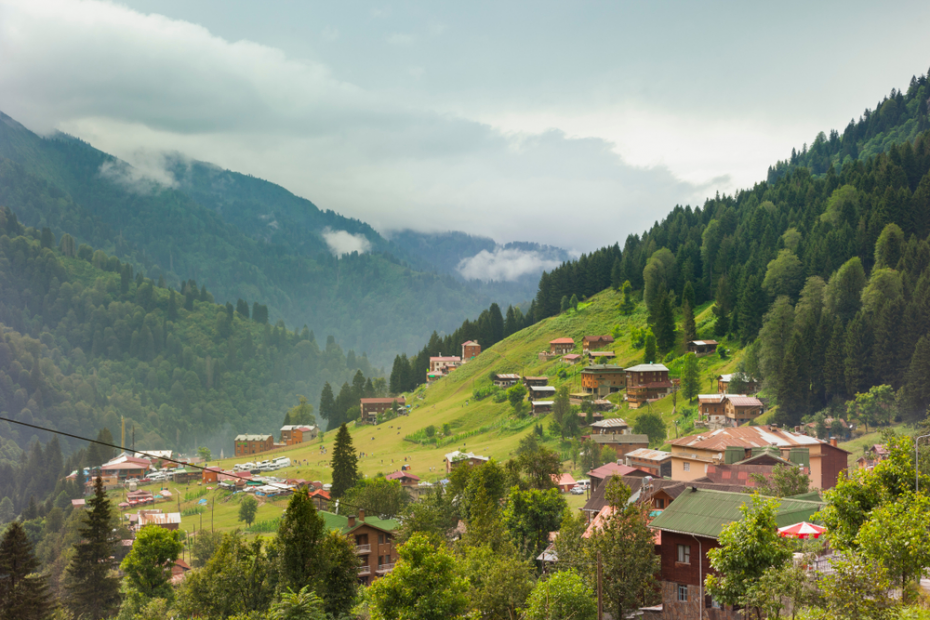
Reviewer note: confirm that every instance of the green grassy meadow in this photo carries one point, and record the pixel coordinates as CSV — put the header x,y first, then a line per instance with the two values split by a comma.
x,y
481,426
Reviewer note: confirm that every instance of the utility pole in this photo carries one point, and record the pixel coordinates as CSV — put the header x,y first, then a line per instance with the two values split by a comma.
x,y
600,604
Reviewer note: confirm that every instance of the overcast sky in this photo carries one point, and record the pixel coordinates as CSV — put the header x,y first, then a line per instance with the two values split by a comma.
x,y
568,123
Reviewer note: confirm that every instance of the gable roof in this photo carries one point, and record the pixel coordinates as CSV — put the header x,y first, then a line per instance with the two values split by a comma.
x,y
562,341
340,523
705,512
610,423
744,401
401,475
647,368
747,437
604,338
611,469
464,344
652,455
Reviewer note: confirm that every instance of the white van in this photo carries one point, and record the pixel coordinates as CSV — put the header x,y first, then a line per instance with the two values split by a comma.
x,y
281,462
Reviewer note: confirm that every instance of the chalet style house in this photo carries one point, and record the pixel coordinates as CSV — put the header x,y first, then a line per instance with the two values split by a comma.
x,y
561,346
371,407
646,382
595,343
602,379
470,349
253,444
373,538
750,385
693,456
689,528
720,410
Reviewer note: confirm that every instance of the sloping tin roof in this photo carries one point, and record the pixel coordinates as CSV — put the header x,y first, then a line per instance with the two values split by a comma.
x,y
562,341
706,513
610,423
647,368
333,521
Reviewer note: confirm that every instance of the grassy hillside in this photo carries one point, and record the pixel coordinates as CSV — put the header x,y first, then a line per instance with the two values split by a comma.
x,y
489,428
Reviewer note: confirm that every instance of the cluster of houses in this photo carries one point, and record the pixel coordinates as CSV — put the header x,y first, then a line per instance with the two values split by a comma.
x,y
441,365
291,434
694,490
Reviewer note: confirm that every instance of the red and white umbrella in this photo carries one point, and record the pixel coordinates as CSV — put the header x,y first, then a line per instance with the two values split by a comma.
x,y
801,530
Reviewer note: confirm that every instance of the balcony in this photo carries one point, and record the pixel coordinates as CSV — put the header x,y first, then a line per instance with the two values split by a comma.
x,y
362,548
364,570
385,568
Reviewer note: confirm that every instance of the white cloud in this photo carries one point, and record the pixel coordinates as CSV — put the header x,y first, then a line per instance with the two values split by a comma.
x,y
501,264
146,173
342,242
124,80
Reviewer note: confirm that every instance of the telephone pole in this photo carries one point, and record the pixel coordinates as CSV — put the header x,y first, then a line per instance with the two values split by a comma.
x,y
600,604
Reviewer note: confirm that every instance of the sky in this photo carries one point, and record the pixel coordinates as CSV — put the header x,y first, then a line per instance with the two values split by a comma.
x,y
566,123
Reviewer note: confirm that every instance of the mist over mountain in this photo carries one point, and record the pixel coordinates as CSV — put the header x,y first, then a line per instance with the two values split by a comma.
x,y
246,238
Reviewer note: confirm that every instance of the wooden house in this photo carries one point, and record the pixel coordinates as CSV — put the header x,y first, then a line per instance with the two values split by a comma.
x,y
470,350
371,407
702,347
593,343
646,382
561,346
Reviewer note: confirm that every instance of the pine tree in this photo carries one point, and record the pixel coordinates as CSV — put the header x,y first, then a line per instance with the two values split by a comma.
x,y
300,534
752,307
573,302
834,377
916,386
24,595
688,325
497,324
690,377
628,304
358,385
242,308
616,275
172,306
858,371
664,324
91,586
565,305
650,354
510,322
344,464
687,294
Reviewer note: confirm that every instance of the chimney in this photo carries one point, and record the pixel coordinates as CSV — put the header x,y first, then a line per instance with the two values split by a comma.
x,y
833,442
361,514
351,520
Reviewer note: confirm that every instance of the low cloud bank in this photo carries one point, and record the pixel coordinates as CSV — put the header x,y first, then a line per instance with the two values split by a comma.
x,y
504,264
341,242
147,173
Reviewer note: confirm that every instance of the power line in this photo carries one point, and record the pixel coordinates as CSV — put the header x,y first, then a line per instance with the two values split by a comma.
x,y
152,456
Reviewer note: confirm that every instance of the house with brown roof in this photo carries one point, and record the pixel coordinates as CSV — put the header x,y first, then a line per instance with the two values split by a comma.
x,y
645,383
602,379
620,443
405,478
371,407
602,473
535,381
702,347
540,392
561,346
470,349
741,409
749,384
693,455
125,467
593,343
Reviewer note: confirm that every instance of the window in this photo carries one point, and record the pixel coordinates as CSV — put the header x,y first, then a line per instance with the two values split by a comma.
x,y
686,466
682,594
684,554
660,503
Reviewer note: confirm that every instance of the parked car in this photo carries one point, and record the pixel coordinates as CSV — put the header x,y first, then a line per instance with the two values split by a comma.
x,y
577,490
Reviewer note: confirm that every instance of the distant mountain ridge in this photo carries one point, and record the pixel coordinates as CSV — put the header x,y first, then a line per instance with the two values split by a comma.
x,y
244,238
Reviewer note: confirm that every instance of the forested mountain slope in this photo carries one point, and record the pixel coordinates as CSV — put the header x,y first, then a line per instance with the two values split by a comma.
x,y
243,237
85,343
825,275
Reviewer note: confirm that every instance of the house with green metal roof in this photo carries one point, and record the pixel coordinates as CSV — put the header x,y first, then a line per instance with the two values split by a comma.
x,y
373,538
688,529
